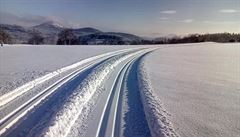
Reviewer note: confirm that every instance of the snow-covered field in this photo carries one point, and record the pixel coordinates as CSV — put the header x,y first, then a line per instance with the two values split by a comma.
x,y
172,90
199,86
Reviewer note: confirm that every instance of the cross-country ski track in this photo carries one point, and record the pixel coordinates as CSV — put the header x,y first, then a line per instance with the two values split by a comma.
x,y
120,91
88,98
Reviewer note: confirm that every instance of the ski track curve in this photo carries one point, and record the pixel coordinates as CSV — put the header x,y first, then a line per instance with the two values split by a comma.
x,y
62,124
105,117
10,119
88,76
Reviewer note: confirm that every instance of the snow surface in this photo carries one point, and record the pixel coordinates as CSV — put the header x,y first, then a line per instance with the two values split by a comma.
x,y
199,86
26,87
186,90
22,63
66,118
157,117
6,98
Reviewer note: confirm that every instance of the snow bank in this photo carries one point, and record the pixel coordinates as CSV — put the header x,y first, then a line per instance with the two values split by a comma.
x,y
65,119
156,115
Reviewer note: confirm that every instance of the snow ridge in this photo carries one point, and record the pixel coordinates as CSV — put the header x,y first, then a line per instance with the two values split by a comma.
x,y
6,98
157,116
66,117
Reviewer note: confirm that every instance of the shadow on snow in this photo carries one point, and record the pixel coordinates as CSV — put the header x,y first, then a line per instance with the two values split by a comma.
x,y
135,120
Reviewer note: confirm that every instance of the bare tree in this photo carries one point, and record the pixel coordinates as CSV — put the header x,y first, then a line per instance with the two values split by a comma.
x,y
36,38
66,37
5,38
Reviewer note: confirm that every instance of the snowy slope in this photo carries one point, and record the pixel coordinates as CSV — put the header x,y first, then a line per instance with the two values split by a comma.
x,y
199,86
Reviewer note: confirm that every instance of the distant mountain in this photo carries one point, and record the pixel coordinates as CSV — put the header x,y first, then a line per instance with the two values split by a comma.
x,y
50,31
19,34
48,28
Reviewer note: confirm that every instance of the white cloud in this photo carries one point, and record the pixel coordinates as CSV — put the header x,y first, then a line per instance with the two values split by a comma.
x,y
9,18
169,12
186,21
228,11
31,20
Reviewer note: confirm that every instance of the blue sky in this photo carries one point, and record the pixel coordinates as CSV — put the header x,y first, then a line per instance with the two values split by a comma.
x,y
142,17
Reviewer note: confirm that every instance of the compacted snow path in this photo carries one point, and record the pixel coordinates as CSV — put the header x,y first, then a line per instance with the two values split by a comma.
x,y
110,104
90,92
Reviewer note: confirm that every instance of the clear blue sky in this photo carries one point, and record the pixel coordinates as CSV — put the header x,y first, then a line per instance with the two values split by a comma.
x,y
141,17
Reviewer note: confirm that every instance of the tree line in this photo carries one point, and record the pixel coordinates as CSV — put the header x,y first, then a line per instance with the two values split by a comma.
x,y
67,37
196,38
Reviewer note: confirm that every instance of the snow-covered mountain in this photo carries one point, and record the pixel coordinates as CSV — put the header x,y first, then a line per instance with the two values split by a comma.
x,y
48,28
50,31
19,34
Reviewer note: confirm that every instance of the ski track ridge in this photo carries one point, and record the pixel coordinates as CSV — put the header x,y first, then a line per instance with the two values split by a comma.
x,y
157,117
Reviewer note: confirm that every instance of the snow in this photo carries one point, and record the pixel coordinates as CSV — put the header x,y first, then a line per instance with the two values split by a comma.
x,y
199,87
186,90
20,64
4,99
66,117
157,117
26,87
